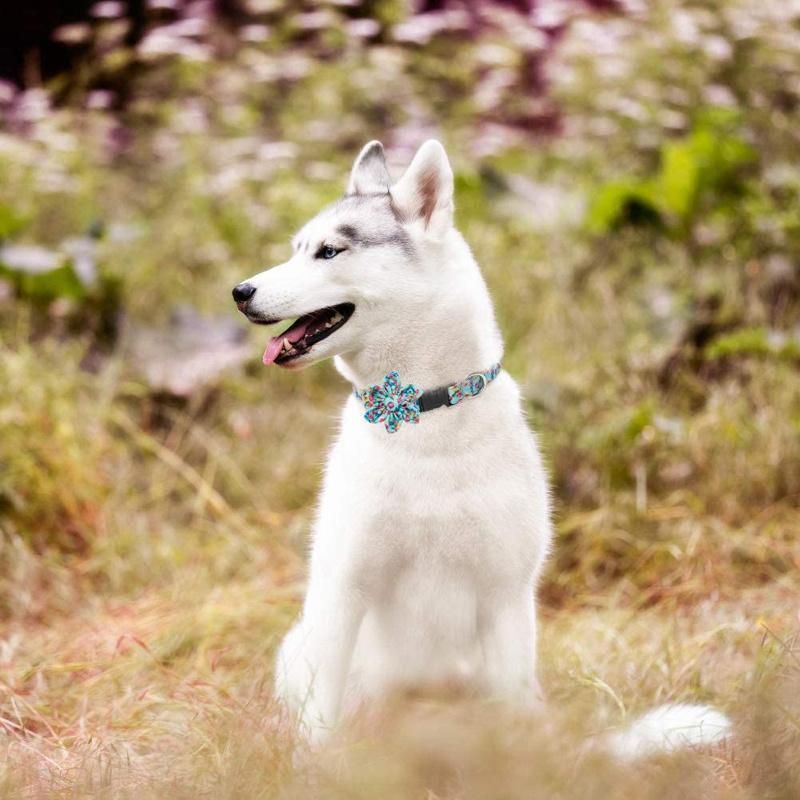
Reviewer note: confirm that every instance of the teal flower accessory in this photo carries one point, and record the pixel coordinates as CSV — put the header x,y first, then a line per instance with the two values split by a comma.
x,y
393,404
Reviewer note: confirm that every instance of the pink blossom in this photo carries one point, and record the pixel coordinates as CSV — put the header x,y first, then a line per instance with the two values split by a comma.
x,y
108,9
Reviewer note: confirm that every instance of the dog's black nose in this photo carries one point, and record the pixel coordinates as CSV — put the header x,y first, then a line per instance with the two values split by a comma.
x,y
243,292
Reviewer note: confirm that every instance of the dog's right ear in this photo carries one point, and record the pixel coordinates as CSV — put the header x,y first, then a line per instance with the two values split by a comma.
x,y
369,174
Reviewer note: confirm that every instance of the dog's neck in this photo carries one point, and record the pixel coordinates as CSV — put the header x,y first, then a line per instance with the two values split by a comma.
x,y
442,349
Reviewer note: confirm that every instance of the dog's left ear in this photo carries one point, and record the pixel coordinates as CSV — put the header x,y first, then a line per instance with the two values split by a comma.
x,y
369,174
425,192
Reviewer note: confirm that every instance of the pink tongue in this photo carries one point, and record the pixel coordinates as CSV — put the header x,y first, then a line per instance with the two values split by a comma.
x,y
294,334
273,349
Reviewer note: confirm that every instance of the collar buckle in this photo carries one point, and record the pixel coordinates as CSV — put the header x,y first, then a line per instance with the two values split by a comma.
x,y
475,383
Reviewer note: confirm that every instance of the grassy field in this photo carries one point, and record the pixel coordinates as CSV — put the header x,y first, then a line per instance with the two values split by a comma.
x,y
644,256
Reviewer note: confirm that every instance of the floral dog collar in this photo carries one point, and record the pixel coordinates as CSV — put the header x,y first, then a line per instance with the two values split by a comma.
x,y
393,404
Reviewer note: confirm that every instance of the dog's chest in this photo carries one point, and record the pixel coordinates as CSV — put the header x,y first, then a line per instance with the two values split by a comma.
x,y
444,506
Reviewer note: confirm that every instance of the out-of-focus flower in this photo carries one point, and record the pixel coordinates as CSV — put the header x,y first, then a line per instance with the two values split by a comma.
x,y
626,107
717,47
662,303
224,181
277,150
30,258
162,42
108,9
408,137
168,148
54,138
633,7
545,206
73,34
780,175
672,119
492,138
255,33
191,118
7,92
198,9
32,105
99,99
527,39
363,28
493,54
314,20
685,28
321,170
293,67
321,130
492,88
262,6
124,232
190,27
552,13
717,95
420,29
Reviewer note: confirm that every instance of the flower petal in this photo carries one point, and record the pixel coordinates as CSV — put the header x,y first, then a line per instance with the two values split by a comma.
x,y
411,413
392,422
375,414
391,383
408,395
374,396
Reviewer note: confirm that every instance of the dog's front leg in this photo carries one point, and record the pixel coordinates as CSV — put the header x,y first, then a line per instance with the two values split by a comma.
x,y
509,646
314,659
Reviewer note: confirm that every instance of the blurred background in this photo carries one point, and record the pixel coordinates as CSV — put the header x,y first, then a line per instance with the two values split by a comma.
x,y
627,174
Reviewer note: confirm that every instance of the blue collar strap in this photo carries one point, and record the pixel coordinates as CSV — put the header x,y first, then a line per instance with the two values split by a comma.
x,y
393,404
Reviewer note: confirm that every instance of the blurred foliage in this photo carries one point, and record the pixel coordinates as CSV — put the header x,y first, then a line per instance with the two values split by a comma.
x,y
54,452
754,341
698,174
644,256
61,281
10,222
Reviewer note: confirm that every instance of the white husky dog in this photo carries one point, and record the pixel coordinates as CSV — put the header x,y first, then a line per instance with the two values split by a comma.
x,y
434,517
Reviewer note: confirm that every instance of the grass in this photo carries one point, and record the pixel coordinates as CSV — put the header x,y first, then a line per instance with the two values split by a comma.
x,y
152,548
170,693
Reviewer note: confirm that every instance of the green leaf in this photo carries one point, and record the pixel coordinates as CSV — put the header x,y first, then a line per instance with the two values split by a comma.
x,y
753,342
677,182
10,222
44,285
617,202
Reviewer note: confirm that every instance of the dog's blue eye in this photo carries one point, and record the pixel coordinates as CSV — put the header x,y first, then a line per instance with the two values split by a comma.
x,y
328,252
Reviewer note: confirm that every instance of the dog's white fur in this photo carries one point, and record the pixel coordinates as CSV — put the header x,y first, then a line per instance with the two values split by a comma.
x,y
428,542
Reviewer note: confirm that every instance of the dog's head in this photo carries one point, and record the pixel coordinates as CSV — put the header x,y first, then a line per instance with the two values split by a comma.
x,y
362,266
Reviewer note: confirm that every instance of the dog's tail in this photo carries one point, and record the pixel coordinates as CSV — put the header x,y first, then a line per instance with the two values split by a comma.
x,y
669,728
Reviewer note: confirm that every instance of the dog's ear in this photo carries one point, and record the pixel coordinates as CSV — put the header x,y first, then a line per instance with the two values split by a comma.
x,y
369,174
425,192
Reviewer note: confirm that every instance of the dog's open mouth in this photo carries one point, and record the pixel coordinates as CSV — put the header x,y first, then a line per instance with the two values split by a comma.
x,y
305,332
